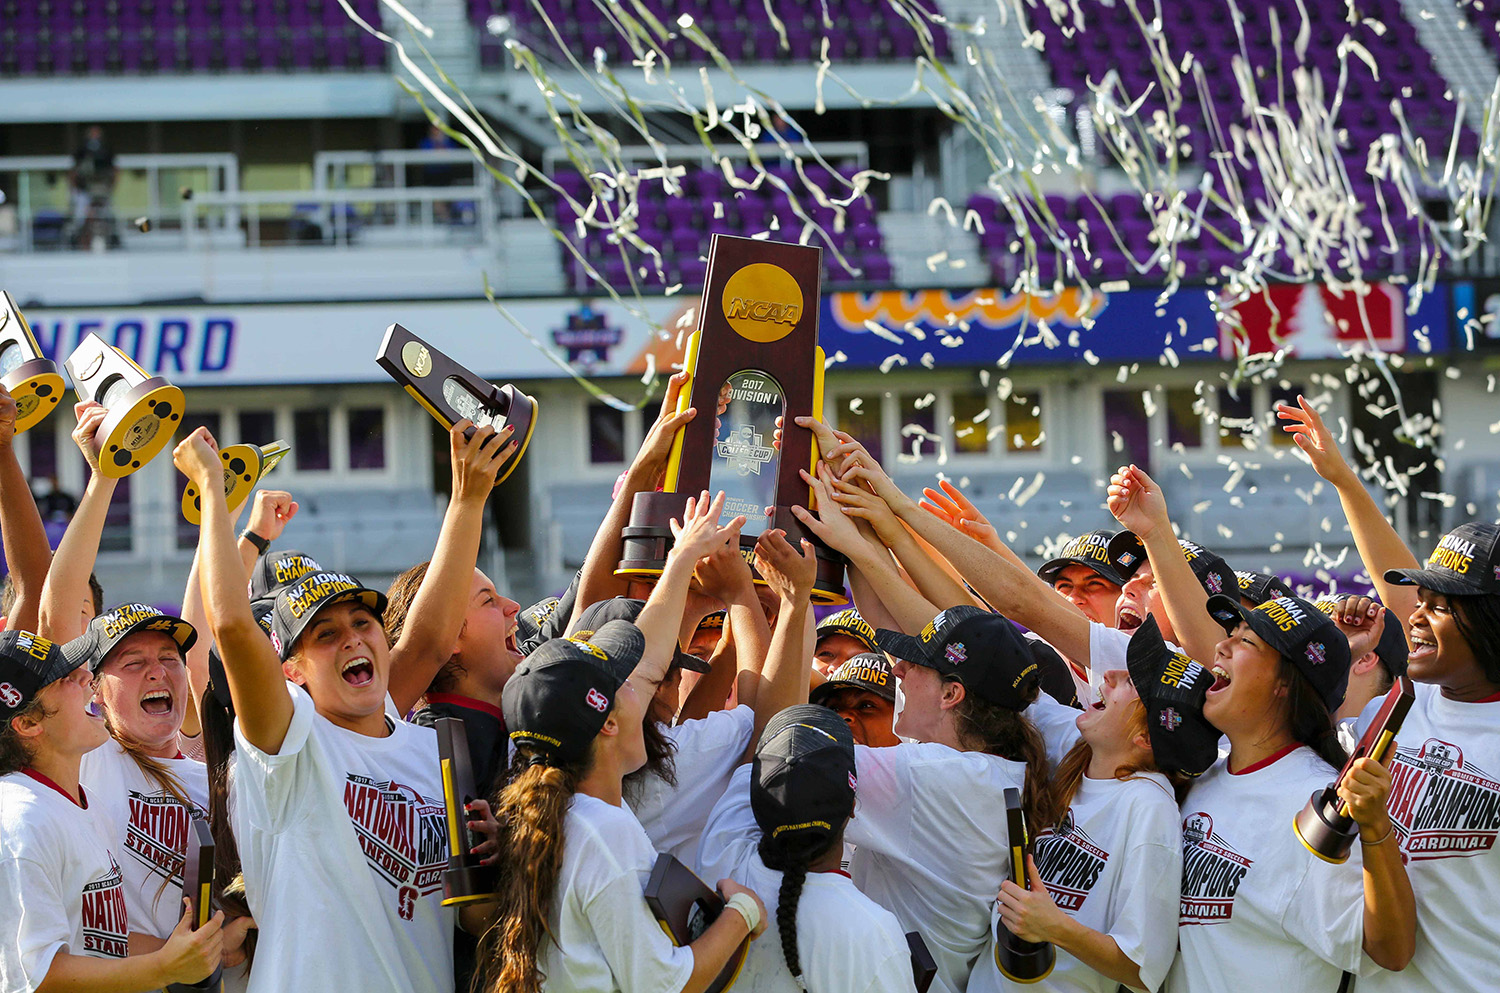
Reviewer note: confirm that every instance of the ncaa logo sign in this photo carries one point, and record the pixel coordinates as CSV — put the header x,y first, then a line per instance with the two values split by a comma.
x,y
597,700
9,695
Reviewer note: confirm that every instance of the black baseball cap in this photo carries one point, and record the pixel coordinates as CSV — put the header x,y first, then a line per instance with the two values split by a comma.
x,y
1172,688
1127,552
218,682
1466,562
1303,634
1258,587
28,664
561,694
1391,648
276,570
105,632
296,605
530,632
870,671
1091,550
983,650
620,608
848,622
802,779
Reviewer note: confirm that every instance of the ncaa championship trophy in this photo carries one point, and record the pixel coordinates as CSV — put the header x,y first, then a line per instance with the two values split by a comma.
x,y
465,880
753,358
143,410
198,887
450,393
244,466
1020,961
27,375
1324,825
685,906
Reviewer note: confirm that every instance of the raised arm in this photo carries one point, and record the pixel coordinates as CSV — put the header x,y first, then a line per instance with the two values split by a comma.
x,y
597,581
67,583
1390,908
725,576
256,680
1379,546
27,554
949,505
437,611
784,681
1137,503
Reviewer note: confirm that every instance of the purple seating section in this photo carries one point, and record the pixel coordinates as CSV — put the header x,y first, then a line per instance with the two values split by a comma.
x,y
862,31
83,37
679,227
1111,40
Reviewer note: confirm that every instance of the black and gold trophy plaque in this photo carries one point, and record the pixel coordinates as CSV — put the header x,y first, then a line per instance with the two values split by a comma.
x,y
923,965
27,375
244,466
450,393
685,906
1020,961
753,358
1324,825
198,887
144,410
465,880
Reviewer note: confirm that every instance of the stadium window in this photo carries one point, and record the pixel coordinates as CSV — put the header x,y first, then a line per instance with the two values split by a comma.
x,y
971,421
367,438
1023,423
1282,392
918,429
606,435
257,427
1236,416
1184,418
43,454
1127,428
860,416
312,439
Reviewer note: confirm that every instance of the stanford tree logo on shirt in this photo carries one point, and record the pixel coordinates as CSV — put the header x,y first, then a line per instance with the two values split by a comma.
x,y
1069,863
404,836
1211,872
1441,805
106,927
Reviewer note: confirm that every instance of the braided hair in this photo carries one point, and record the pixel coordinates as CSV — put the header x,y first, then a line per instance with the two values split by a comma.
x,y
791,857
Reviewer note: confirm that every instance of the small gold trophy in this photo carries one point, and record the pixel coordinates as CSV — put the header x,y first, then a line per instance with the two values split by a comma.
x,y
144,410
27,375
244,466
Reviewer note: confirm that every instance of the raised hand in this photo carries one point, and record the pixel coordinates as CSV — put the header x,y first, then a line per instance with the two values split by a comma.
x,y
656,447
1364,790
191,956
197,457
953,508
724,571
272,512
788,572
1030,914
477,460
1137,502
90,415
1307,429
8,414
699,533
856,501
832,526
1363,620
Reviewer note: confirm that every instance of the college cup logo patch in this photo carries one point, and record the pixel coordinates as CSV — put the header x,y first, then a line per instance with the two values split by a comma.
x,y
1171,719
956,653
1317,652
597,700
1214,583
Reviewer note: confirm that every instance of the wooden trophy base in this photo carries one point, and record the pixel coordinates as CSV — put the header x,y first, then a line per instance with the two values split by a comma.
x,y
1323,830
1023,961
468,884
648,539
138,426
243,467
37,387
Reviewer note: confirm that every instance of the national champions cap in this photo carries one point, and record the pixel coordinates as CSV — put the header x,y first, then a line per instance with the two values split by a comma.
x,y
561,694
848,622
105,632
984,651
869,671
1258,587
1172,688
621,608
1466,562
1302,633
1090,550
298,604
28,664
278,569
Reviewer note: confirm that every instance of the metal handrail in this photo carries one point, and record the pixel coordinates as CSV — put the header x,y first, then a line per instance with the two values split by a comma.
x,y
830,150
324,164
426,196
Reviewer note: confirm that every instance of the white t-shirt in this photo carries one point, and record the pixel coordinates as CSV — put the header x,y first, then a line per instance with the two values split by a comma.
x,y
1445,806
343,841
1112,869
149,828
708,749
607,940
60,886
929,829
1058,726
1259,911
846,943
1107,648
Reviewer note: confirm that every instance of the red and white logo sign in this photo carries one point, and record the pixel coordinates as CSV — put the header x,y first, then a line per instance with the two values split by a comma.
x,y
9,695
1314,321
597,700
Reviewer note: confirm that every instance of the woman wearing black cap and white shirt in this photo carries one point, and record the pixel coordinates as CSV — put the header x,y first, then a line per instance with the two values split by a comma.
x,y
571,914
335,806
1445,798
1102,883
1259,910
779,830
63,919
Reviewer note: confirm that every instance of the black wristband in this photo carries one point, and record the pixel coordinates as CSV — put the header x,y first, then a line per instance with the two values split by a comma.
x,y
261,544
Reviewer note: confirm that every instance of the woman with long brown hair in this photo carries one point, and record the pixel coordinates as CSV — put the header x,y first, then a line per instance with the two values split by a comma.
x,y
571,914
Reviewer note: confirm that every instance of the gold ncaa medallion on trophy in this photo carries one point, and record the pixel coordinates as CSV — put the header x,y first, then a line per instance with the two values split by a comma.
x,y
753,358
27,375
143,410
